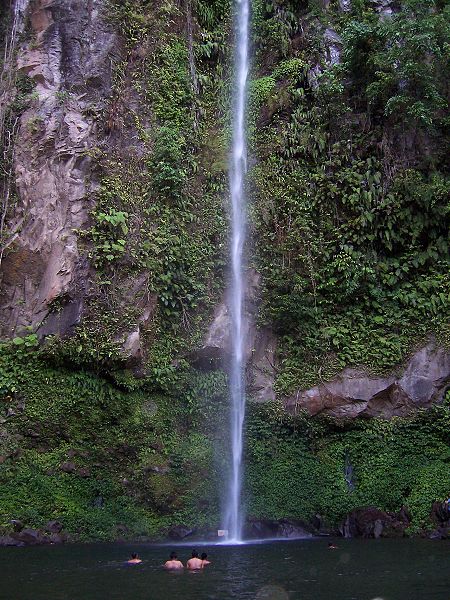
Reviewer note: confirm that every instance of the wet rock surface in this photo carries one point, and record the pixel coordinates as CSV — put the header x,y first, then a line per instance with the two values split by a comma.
x,y
27,536
283,528
179,532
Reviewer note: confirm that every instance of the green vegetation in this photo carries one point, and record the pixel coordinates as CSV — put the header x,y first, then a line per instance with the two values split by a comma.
x,y
349,202
112,462
296,465
350,209
105,461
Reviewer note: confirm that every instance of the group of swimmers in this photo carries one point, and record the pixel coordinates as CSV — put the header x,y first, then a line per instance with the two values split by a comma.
x,y
194,563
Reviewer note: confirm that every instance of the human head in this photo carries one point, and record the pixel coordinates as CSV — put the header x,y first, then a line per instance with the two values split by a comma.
x,y
204,556
194,554
173,556
134,555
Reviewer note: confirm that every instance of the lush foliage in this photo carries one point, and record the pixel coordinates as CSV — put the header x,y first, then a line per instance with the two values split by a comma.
x,y
297,465
348,187
104,461
112,463
351,212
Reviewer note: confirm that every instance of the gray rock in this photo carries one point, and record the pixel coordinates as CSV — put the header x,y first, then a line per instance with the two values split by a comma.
x,y
333,43
31,537
371,522
262,367
313,76
293,529
57,538
17,525
217,344
68,467
67,58
159,469
7,540
283,528
385,8
345,5
62,321
422,383
54,526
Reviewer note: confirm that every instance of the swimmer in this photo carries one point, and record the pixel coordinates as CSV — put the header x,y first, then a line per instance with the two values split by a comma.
x,y
173,562
332,546
195,562
134,560
204,559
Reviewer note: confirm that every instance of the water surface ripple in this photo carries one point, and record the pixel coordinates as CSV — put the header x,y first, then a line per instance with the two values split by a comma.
x,y
300,570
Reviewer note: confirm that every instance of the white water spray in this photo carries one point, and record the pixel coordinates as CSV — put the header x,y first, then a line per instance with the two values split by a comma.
x,y
238,167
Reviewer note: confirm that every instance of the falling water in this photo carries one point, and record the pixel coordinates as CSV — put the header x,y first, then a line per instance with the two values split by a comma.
x,y
233,515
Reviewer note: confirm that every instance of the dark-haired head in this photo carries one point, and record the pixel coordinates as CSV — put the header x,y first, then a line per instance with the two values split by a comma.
x,y
134,555
194,554
204,556
173,556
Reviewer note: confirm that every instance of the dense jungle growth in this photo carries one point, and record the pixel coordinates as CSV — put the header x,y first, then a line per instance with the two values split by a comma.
x,y
115,426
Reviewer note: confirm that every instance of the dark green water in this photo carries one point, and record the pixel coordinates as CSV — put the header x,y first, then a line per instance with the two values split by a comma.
x,y
297,570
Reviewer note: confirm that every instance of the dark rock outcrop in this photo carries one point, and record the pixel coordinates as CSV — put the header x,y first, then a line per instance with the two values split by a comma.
x,y
8,540
440,516
440,513
371,522
179,532
68,467
27,536
54,526
282,528
31,537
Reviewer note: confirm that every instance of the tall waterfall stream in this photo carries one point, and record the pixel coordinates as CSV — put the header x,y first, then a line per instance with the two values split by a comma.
x,y
233,514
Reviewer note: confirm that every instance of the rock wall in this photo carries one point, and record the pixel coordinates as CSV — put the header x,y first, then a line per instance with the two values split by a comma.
x,y
423,382
67,56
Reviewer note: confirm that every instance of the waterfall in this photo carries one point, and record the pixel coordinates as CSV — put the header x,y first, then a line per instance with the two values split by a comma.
x,y
233,513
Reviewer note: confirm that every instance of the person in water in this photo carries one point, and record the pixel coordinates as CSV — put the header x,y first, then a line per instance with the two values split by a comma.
x,y
204,559
173,562
134,560
332,546
195,562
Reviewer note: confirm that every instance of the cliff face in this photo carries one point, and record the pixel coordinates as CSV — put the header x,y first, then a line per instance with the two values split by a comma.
x,y
65,61
114,131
